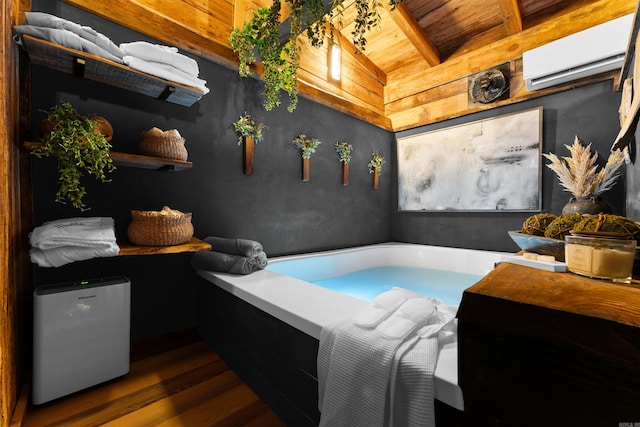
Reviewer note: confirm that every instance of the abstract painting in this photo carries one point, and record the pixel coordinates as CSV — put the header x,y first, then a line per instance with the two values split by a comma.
x,y
486,165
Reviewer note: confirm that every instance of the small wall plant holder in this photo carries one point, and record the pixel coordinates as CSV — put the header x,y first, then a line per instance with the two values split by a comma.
x,y
307,146
375,167
249,133
344,151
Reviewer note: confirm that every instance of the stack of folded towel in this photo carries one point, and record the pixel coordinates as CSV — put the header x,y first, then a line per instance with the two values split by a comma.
x,y
235,256
69,34
160,61
63,241
164,62
367,372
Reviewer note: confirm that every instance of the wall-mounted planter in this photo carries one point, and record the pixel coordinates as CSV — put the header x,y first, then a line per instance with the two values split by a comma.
x,y
248,148
375,167
345,174
305,169
376,178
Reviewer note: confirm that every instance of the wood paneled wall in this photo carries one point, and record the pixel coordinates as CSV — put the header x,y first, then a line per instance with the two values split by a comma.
x,y
14,261
412,95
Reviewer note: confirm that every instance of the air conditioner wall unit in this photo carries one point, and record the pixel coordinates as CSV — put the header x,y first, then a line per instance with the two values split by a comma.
x,y
586,53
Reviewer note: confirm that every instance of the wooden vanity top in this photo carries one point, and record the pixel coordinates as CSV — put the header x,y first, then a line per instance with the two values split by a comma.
x,y
566,292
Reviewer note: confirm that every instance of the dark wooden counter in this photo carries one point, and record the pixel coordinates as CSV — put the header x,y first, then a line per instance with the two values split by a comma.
x,y
541,348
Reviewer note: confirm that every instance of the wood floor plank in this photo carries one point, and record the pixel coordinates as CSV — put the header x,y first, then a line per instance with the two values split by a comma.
x,y
186,385
161,410
142,374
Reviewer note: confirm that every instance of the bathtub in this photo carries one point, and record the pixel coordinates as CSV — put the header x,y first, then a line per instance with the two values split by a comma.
x,y
284,290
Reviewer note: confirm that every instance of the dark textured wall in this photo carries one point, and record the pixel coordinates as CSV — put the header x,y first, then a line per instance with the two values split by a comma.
x,y
272,206
590,112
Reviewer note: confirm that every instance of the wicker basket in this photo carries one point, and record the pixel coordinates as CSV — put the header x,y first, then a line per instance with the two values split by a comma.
x,y
160,228
168,144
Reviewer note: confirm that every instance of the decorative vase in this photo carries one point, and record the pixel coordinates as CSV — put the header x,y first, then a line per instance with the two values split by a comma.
x,y
345,174
376,178
247,154
588,205
305,169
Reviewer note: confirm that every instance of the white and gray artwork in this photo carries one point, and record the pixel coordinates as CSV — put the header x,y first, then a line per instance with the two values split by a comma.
x,y
492,164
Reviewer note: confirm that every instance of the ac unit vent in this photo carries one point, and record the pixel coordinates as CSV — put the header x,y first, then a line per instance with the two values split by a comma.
x,y
595,50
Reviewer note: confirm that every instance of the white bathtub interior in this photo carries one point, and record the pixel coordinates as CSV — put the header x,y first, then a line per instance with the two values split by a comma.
x,y
308,307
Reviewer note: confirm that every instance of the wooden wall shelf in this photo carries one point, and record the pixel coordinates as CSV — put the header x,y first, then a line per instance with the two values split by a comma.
x,y
96,68
135,160
193,245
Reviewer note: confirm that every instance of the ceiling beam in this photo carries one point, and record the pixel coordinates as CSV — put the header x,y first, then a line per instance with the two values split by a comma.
x,y
511,16
414,32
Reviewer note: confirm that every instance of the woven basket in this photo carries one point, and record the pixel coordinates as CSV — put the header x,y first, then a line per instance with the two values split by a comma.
x,y
160,228
159,144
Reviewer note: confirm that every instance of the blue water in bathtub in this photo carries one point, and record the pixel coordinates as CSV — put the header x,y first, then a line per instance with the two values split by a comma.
x,y
369,283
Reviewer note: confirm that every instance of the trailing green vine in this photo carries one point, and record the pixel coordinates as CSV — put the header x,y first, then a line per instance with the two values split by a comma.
x,y
261,36
79,147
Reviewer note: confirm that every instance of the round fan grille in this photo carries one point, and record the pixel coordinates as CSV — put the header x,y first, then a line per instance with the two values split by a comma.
x,y
488,86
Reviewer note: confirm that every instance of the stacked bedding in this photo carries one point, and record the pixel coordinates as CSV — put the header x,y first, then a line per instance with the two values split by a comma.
x,y
158,60
63,241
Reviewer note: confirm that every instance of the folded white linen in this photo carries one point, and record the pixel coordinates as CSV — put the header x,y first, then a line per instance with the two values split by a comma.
x,y
41,19
165,71
158,53
62,255
90,232
66,38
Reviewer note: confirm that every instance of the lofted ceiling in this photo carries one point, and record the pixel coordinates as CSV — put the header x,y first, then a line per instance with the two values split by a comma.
x,y
415,68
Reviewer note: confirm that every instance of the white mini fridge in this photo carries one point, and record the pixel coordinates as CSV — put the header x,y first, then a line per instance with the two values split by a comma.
x,y
81,333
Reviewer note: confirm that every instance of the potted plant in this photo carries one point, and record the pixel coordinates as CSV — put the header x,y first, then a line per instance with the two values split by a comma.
x,y
249,133
307,146
80,147
375,167
579,175
344,151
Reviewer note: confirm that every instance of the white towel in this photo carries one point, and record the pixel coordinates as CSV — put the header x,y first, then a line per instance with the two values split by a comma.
x,y
411,385
355,363
41,19
59,256
165,71
158,53
66,38
88,232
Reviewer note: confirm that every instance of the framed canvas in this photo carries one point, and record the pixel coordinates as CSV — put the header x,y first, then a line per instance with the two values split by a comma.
x,y
486,165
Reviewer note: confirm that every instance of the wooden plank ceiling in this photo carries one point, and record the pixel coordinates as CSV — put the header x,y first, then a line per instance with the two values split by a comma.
x,y
415,67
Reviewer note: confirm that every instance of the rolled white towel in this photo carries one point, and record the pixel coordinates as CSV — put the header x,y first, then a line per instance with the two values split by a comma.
x,y
158,53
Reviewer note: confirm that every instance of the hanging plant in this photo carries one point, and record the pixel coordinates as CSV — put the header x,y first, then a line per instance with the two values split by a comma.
x,y
376,163
344,151
306,145
79,146
280,61
245,127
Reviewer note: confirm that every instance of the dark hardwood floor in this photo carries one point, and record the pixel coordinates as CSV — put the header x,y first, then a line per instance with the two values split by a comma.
x,y
172,382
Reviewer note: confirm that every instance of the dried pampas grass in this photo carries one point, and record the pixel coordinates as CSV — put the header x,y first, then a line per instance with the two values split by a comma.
x,y
579,173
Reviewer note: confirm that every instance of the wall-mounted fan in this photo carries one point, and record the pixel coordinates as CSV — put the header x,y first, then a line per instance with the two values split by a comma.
x,y
488,86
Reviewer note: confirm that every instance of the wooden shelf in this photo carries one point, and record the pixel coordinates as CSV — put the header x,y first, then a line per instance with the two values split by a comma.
x,y
193,245
96,68
135,160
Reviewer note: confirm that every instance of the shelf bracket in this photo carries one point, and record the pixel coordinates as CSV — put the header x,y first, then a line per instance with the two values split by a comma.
x,y
167,92
78,66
